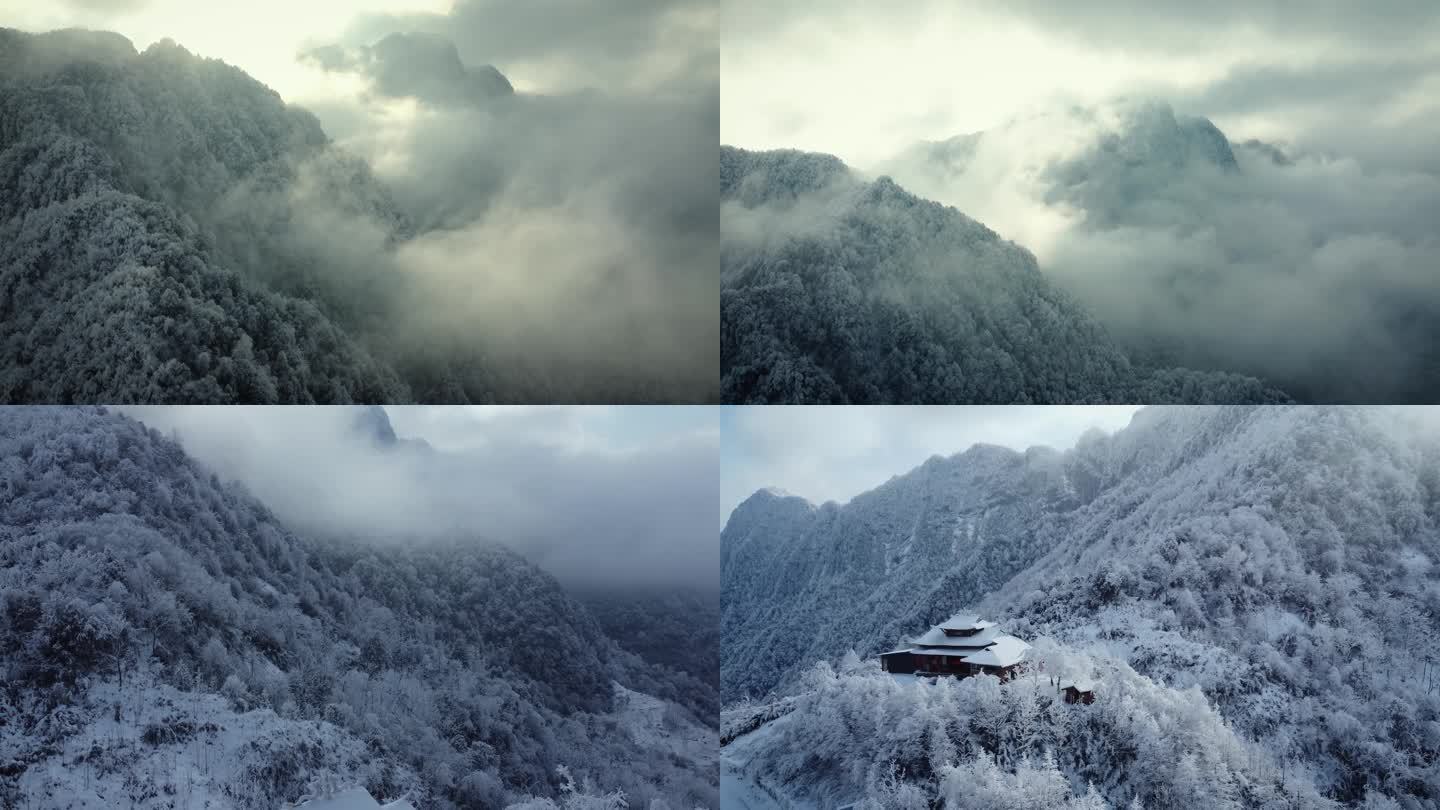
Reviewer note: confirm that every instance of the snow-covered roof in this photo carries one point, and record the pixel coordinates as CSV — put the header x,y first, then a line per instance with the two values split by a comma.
x,y
935,637
1006,651
944,651
964,621
897,652
1082,684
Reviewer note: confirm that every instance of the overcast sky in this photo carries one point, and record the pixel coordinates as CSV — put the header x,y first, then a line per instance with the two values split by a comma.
x,y
824,453
543,45
861,80
597,495
249,35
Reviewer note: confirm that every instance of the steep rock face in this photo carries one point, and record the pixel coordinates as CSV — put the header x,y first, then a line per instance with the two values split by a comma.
x,y
1280,559
834,289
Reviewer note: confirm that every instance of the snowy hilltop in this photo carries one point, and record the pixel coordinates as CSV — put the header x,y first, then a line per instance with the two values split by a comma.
x,y
1246,593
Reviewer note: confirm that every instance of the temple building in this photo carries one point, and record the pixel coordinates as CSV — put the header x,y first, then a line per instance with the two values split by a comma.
x,y
962,645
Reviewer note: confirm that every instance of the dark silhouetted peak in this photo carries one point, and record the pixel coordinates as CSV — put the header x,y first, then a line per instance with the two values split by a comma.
x,y
416,65
1205,141
1148,135
490,80
374,423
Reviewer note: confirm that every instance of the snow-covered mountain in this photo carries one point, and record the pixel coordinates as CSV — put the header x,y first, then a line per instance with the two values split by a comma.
x,y
842,290
1266,572
801,582
166,639
171,230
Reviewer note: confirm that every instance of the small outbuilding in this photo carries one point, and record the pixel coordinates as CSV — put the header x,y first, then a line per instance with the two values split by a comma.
x,y
1079,692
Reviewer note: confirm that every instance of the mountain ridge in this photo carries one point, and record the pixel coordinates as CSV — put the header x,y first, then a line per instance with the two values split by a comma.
x,y
841,290
1276,561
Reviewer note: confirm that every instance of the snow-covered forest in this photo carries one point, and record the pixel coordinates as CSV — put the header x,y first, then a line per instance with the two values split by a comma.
x,y
171,230
167,642
836,289
1252,591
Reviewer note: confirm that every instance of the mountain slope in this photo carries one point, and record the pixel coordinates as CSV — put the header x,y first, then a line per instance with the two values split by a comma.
x,y
131,580
799,582
137,264
1278,560
839,290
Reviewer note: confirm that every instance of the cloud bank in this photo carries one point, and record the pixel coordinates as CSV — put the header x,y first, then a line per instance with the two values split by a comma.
x,y
1314,272
568,225
603,497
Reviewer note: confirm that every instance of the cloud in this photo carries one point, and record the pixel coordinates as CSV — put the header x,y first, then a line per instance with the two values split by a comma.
x,y
1315,273
570,233
106,6
582,492
574,235
826,453
1151,25
853,79
563,45
565,237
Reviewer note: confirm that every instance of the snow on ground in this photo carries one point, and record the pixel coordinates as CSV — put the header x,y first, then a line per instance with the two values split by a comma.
x,y
644,718
641,715
151,746
352,799
740,787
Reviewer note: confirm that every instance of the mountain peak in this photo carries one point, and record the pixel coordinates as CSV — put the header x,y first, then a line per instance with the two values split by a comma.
x,y
779,173
374,422
419,65
26,53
